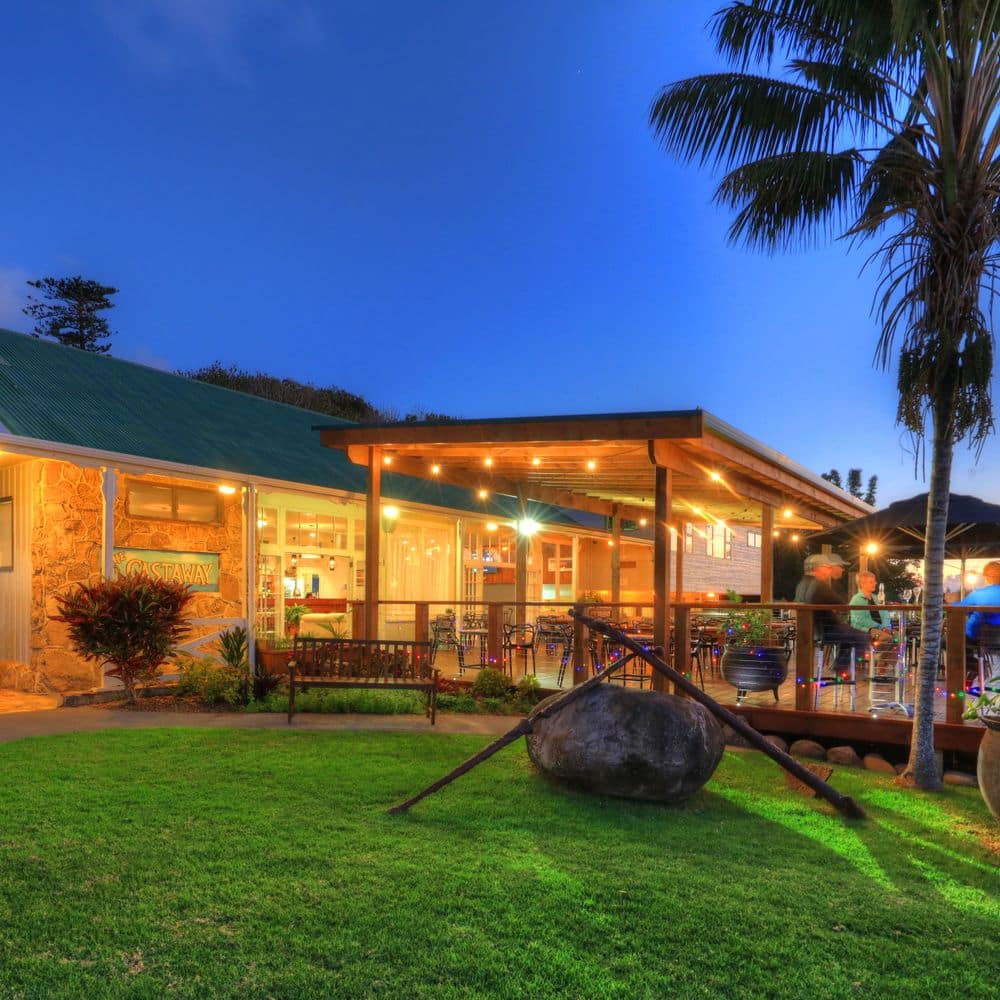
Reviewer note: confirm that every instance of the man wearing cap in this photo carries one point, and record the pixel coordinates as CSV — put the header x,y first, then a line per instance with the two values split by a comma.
x,y
816,587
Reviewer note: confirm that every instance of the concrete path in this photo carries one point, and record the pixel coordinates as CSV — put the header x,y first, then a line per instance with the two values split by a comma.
x,y
20,701
91,720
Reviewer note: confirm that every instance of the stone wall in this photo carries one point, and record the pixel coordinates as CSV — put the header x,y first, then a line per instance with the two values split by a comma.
x,y
66,551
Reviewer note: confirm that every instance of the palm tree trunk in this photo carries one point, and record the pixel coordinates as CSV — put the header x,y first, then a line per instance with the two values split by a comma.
x,y
921,769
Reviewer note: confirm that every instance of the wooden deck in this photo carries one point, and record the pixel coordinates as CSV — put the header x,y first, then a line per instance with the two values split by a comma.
x,y
834,718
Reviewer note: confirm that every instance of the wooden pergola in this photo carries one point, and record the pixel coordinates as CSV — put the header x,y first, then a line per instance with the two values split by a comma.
x,y
667,467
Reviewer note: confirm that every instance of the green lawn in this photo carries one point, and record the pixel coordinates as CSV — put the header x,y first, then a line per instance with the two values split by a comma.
x,y
262,863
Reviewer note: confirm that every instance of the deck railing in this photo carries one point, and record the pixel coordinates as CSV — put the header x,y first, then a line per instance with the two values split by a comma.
x,y
415,620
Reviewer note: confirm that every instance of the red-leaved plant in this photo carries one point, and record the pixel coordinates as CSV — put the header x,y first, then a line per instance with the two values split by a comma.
x,y
132,622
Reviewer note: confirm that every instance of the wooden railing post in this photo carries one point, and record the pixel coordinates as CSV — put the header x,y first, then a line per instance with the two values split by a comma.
x,y
421,621
579,651
494,636
805,659
682,643
358,620
954,664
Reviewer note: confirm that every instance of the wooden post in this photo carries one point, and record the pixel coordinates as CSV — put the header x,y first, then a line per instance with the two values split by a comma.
x,y
579,651
523,547
805,662
616,558
766,554
494,635
373,538
954,664
358,620
679,585
682,644
661,566
421,623
109,492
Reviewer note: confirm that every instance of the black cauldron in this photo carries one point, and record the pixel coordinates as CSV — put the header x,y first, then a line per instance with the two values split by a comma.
x,y
754,668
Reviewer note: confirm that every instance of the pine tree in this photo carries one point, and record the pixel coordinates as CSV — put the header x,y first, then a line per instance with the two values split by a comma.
x,y
68,312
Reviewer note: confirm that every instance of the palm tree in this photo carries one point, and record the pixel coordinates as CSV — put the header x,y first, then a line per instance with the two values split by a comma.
x,y
883,123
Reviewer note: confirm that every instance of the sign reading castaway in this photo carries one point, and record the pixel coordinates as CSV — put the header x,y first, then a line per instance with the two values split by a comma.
x,y
199,570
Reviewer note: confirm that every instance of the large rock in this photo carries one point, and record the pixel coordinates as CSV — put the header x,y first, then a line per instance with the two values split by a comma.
x,y
844,756
629,743
807,748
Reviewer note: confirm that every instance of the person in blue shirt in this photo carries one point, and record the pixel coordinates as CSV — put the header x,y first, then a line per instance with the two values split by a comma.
x,y
986,595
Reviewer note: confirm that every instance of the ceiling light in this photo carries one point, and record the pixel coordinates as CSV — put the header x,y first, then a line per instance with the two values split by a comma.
x,y
483,494
492,526
387,460
715,476
643,522
333,563
487,461
871,548
228,490
435,470
787,512
527,526
591,465
795,538
536,461
611,543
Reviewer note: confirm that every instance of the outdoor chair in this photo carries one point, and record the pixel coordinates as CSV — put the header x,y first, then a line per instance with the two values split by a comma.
x,y
987,655
519,639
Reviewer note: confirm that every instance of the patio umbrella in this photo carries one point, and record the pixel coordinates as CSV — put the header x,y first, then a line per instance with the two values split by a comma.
x,y
899,529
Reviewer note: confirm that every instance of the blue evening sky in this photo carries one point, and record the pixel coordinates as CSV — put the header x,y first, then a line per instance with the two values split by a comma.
x,y
451,206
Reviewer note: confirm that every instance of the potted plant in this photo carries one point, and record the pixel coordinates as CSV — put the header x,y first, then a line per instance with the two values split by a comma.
x,y
293,616
751,660
986,708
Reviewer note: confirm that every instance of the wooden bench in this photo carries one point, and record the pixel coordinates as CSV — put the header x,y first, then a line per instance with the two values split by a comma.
x,y
383,664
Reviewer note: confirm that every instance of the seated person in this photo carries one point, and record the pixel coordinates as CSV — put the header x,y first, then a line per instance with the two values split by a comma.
x,y
831,630
875,623
986,595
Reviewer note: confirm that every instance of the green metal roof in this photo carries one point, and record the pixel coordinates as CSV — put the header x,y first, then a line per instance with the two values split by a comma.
x,y
68,396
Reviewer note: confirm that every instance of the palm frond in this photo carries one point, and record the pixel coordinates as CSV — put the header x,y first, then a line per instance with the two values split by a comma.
x,y
729,118
790,198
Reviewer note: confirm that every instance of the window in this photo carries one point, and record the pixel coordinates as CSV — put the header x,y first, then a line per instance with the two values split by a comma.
x,y
689,538
753,539
719,542
173,503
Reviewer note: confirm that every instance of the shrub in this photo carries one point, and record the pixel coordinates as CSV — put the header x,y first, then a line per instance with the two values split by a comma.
x,y
234,647
528,690
361,700
132,622
457,703
491,683
213,683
